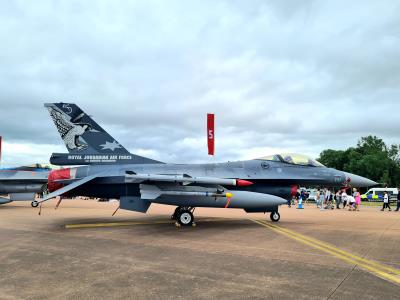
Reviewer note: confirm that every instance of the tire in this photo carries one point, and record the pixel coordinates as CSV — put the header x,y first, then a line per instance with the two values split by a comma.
x,y
174,216
34,203
275,216
185,218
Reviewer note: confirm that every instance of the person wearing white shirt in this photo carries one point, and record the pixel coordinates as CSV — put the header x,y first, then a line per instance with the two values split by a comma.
x,y
344,198
351,202
327,195
386,202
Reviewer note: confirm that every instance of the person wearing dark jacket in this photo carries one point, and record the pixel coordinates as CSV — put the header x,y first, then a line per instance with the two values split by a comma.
x,y
398,200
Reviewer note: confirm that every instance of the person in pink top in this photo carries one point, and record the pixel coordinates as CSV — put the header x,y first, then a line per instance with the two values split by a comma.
x,y
357,197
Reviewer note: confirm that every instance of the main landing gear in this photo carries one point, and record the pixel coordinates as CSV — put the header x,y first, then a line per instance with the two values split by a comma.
x,y
275,216
183,216
34,203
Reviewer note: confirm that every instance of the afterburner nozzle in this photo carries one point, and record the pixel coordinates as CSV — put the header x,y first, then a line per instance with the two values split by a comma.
x,y
55,178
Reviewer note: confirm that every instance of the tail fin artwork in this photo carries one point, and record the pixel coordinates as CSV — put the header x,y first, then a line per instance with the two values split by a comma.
x,y
85,139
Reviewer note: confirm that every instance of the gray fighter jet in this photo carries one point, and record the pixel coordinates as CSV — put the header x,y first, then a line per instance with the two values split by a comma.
x,y
23,183
110,171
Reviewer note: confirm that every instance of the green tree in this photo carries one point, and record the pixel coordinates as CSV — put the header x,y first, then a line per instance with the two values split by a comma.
x,y
371,158
333,158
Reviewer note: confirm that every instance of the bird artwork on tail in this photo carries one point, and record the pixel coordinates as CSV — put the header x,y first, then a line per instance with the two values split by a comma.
x,y
70,132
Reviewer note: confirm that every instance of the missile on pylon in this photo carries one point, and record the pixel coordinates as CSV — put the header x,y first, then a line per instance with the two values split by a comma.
x,y
132,177
150,192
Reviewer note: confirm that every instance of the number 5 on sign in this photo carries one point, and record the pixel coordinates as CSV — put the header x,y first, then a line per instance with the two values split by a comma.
x,y
210,134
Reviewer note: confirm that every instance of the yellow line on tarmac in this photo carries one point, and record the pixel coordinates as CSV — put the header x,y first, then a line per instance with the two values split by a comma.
x,y
130,223
115,224
380,270
333,248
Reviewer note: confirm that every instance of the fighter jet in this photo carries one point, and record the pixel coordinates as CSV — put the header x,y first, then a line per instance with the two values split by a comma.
x,y
23,183
110,171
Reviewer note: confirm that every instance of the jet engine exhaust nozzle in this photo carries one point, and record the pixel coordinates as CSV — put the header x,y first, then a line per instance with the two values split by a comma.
x,y
56,177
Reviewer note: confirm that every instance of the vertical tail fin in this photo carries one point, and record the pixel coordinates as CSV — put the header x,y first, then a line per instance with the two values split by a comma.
x,y
82,135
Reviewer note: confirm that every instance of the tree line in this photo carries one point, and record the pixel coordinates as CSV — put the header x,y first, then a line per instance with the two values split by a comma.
x,y
371,158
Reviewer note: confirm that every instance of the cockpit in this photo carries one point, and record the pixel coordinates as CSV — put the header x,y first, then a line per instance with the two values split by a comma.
x,y
294,159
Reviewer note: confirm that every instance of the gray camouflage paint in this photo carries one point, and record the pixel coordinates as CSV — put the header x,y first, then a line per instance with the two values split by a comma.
x,y
20,184
107,168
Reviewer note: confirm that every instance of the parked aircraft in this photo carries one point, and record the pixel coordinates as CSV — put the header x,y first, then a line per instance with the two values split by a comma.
x,y
258,185
23,183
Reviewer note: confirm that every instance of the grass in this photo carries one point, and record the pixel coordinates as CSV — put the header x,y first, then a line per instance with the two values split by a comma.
x,y
366,203
378,204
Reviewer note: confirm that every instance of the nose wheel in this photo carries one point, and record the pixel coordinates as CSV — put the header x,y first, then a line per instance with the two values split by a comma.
x,y
275,216
34,203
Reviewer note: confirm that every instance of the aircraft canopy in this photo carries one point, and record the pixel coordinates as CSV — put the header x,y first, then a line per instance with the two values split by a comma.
x,y
293,158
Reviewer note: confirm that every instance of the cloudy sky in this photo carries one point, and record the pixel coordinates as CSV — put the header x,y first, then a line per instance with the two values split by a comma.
x,y
297,76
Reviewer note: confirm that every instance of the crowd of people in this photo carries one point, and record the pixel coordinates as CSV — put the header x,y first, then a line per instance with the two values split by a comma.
x,y
328,199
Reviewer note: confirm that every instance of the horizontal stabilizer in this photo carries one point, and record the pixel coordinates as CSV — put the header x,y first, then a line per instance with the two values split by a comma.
x,y
69,187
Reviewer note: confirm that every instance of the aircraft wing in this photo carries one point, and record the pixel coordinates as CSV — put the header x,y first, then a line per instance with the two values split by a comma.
x,y
184,179
16,175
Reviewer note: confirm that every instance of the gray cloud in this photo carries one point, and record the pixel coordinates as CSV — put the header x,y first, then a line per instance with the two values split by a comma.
x,y
293,75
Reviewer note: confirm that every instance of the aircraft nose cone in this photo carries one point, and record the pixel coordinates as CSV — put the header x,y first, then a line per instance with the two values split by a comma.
x,y
359,181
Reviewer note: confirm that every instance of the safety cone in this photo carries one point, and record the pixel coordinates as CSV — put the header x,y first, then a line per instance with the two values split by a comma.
x,y
300,204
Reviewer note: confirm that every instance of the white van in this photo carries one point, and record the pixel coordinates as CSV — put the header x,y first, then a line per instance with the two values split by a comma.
x,y
376,194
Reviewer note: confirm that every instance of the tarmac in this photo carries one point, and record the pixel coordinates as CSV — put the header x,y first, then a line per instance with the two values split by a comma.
x,y
80,251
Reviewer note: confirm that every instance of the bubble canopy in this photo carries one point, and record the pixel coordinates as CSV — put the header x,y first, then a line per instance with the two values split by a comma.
x,y
293,158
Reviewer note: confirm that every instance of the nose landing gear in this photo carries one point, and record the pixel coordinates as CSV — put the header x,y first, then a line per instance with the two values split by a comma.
x,y
34,203
275,216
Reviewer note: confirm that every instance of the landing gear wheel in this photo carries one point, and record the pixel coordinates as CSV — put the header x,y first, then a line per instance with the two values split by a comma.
x,y
34,203
275,216
185,217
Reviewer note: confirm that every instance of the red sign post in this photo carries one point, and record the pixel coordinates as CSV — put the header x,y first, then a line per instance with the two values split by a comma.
x,y
210,134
